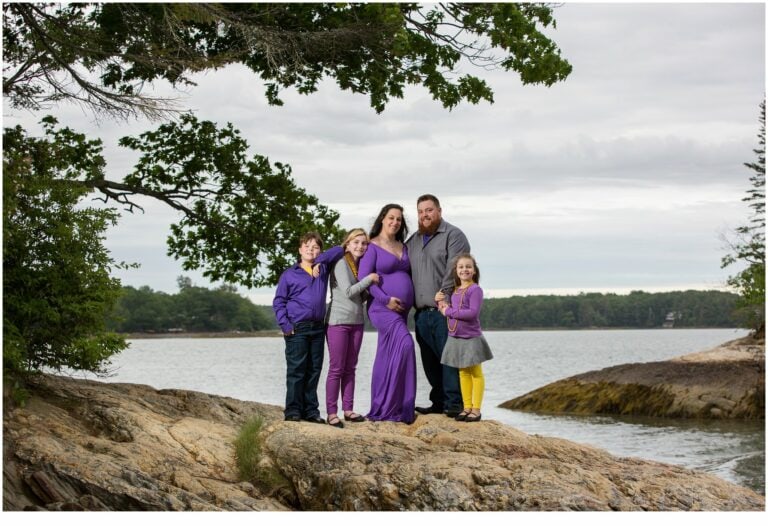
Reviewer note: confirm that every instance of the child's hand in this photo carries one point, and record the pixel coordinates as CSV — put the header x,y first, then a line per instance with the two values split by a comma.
x,y
440,296
316,270
374,277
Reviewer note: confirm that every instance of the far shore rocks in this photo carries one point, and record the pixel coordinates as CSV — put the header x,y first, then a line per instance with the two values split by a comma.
x,y
725,382
87,445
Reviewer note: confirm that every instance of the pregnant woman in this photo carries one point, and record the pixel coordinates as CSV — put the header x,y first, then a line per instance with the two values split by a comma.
x,y
393,382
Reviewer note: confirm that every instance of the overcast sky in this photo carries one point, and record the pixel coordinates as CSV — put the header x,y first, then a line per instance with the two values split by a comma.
x,y
624,177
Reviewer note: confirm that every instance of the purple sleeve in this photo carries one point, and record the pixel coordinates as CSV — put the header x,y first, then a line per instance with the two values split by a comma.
x,y
280,305
330,256
473,301
366,266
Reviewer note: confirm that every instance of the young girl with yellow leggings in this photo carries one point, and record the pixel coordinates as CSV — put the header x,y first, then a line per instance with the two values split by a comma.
x,y
466,347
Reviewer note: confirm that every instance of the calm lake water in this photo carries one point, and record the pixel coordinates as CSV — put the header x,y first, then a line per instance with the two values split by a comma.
x,y
254,369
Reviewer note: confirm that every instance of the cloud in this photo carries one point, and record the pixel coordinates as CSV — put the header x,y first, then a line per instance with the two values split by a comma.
x,y
623,176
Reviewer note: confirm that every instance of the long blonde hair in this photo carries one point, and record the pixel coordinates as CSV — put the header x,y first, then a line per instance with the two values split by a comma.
x,y
352,234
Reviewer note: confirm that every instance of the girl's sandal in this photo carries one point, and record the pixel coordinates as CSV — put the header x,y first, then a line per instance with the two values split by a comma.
x,y
463,415
473,417
335,421
354,417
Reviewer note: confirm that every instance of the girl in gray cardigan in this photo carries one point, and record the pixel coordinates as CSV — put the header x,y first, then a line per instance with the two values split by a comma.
x,y
345,328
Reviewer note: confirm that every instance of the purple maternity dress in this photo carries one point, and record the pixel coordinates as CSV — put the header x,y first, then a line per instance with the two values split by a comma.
x,y
393,382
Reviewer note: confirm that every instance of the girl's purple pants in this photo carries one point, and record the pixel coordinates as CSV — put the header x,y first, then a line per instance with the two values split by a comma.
x,y
343,349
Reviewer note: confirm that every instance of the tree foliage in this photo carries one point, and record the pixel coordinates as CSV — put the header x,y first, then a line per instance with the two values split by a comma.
x,y
57,287
240,216
749,245
241,221
594,310
103,54
196,309
192,309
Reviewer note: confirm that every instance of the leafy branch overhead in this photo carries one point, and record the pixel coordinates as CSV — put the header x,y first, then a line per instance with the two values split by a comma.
x,y
103,55
240,217
240,221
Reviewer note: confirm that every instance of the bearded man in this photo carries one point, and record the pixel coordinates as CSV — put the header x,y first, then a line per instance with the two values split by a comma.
x,y
431,251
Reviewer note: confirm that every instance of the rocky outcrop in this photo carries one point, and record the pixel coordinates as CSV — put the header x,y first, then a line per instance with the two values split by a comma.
x,y
725,382
80,444
87,445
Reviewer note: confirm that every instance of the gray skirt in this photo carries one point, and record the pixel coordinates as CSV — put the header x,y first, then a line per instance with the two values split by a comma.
x,y
465,352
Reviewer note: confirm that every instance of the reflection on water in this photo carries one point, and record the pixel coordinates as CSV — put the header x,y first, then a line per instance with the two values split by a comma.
x,y
254,369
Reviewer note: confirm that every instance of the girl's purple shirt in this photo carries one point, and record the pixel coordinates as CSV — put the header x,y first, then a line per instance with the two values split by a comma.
x,y
465,316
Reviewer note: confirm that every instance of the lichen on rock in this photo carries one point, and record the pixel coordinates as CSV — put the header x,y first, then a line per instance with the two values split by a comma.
x,y
725,382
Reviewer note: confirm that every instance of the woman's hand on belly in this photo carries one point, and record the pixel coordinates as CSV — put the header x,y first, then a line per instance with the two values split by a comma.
x,y
395,304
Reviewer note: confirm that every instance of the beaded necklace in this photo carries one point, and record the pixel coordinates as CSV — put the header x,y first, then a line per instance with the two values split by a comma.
x,y
461,302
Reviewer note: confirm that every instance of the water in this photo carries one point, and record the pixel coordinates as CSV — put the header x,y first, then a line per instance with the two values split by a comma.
x,y
254,369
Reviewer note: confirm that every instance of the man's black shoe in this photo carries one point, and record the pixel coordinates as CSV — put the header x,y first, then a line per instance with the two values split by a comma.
x,y
314,420
428,410
452,413
292,418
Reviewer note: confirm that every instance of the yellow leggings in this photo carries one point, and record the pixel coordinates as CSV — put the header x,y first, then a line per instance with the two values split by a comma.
x,y
472,386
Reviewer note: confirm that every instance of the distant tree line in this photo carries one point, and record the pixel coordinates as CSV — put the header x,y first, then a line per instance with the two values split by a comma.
x,y
192,309
636,310
197,309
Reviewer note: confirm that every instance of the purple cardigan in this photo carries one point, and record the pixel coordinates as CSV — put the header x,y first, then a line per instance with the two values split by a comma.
x,y
464,314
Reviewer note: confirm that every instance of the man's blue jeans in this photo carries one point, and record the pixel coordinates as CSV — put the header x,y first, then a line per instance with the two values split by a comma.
x,y
431,335
304,361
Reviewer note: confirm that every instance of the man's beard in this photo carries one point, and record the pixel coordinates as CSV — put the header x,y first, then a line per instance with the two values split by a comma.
x,y
429,231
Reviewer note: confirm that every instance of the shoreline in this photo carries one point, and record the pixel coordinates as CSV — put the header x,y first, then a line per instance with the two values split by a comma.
x,y
277,334
173,335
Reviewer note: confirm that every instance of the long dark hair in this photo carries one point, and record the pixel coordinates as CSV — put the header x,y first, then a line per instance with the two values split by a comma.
x,y
376,228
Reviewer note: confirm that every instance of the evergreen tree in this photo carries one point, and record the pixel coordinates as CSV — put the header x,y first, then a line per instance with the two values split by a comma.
x,y
749,246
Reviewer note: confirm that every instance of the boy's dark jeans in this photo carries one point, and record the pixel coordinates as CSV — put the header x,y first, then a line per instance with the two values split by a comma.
x,y
304,351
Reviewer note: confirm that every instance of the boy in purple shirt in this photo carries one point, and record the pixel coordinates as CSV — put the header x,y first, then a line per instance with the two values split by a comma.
x,y
299,307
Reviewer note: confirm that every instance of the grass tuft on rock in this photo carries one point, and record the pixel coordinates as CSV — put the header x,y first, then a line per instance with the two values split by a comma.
x,y
252,468
248,449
